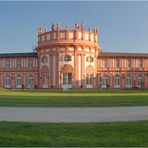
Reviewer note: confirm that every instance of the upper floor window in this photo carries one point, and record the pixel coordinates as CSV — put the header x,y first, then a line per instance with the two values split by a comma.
x,y
129,63
48,36
63,35
118,63
67,57
89,59
30,63
105,63
71,35
43,38
54,35
140,63
7,63
18,63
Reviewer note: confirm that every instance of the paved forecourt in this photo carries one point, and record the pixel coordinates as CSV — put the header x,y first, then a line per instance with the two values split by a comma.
x,y
73,114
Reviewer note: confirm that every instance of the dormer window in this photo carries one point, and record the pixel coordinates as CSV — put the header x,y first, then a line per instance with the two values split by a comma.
x,y
89,59
67,58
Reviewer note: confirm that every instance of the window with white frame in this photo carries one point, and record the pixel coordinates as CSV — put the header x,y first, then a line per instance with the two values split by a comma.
x,y
30,63
92,37
63,36
86,36
105,63
140,63
117,80
7,81
7,63
71,35
89,79
43,38
117,63
48,36
18,63
129,63
54,35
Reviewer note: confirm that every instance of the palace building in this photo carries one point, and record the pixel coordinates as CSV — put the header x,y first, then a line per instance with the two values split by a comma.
x,y
73,59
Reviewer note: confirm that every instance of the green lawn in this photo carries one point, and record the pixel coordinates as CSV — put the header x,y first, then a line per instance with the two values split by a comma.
x,y
48,98
74,134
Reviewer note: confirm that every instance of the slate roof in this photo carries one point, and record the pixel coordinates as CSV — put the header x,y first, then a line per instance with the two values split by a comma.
x,y
122,54
9,55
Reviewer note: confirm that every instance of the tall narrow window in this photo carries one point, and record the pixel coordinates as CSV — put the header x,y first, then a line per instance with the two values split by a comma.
x,y
117,63
141,63
89,79
129,63
30,63
105,63
18,63
7,63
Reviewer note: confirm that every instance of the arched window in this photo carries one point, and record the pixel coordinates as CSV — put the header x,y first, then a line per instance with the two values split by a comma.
x,y
18,81
30,81
7,81
117,81
67,58
128,81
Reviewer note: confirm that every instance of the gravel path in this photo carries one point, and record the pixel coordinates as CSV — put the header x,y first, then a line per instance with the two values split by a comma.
x,y
73,114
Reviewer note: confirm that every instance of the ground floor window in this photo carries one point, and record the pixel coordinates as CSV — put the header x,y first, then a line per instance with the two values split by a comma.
x,y
18,81
117,80
89,79
7,81
105,81
30,81
140,81
128,80
67,78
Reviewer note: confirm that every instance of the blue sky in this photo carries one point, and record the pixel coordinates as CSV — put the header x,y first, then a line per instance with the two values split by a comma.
x,y
123,25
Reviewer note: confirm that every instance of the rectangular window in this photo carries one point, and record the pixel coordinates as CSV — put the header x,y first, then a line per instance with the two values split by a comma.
x,y
67,78
105,63
92,37
43,38
140,63
63,36
18,63
89,79
7,63
48,36
86,36
117,63
80,35
54,35
71,35
129,63
30,63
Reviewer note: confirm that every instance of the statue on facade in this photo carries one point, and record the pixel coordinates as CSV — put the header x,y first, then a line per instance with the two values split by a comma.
x,y
52,26
76,26
82,26
58,25
66,27
89,30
